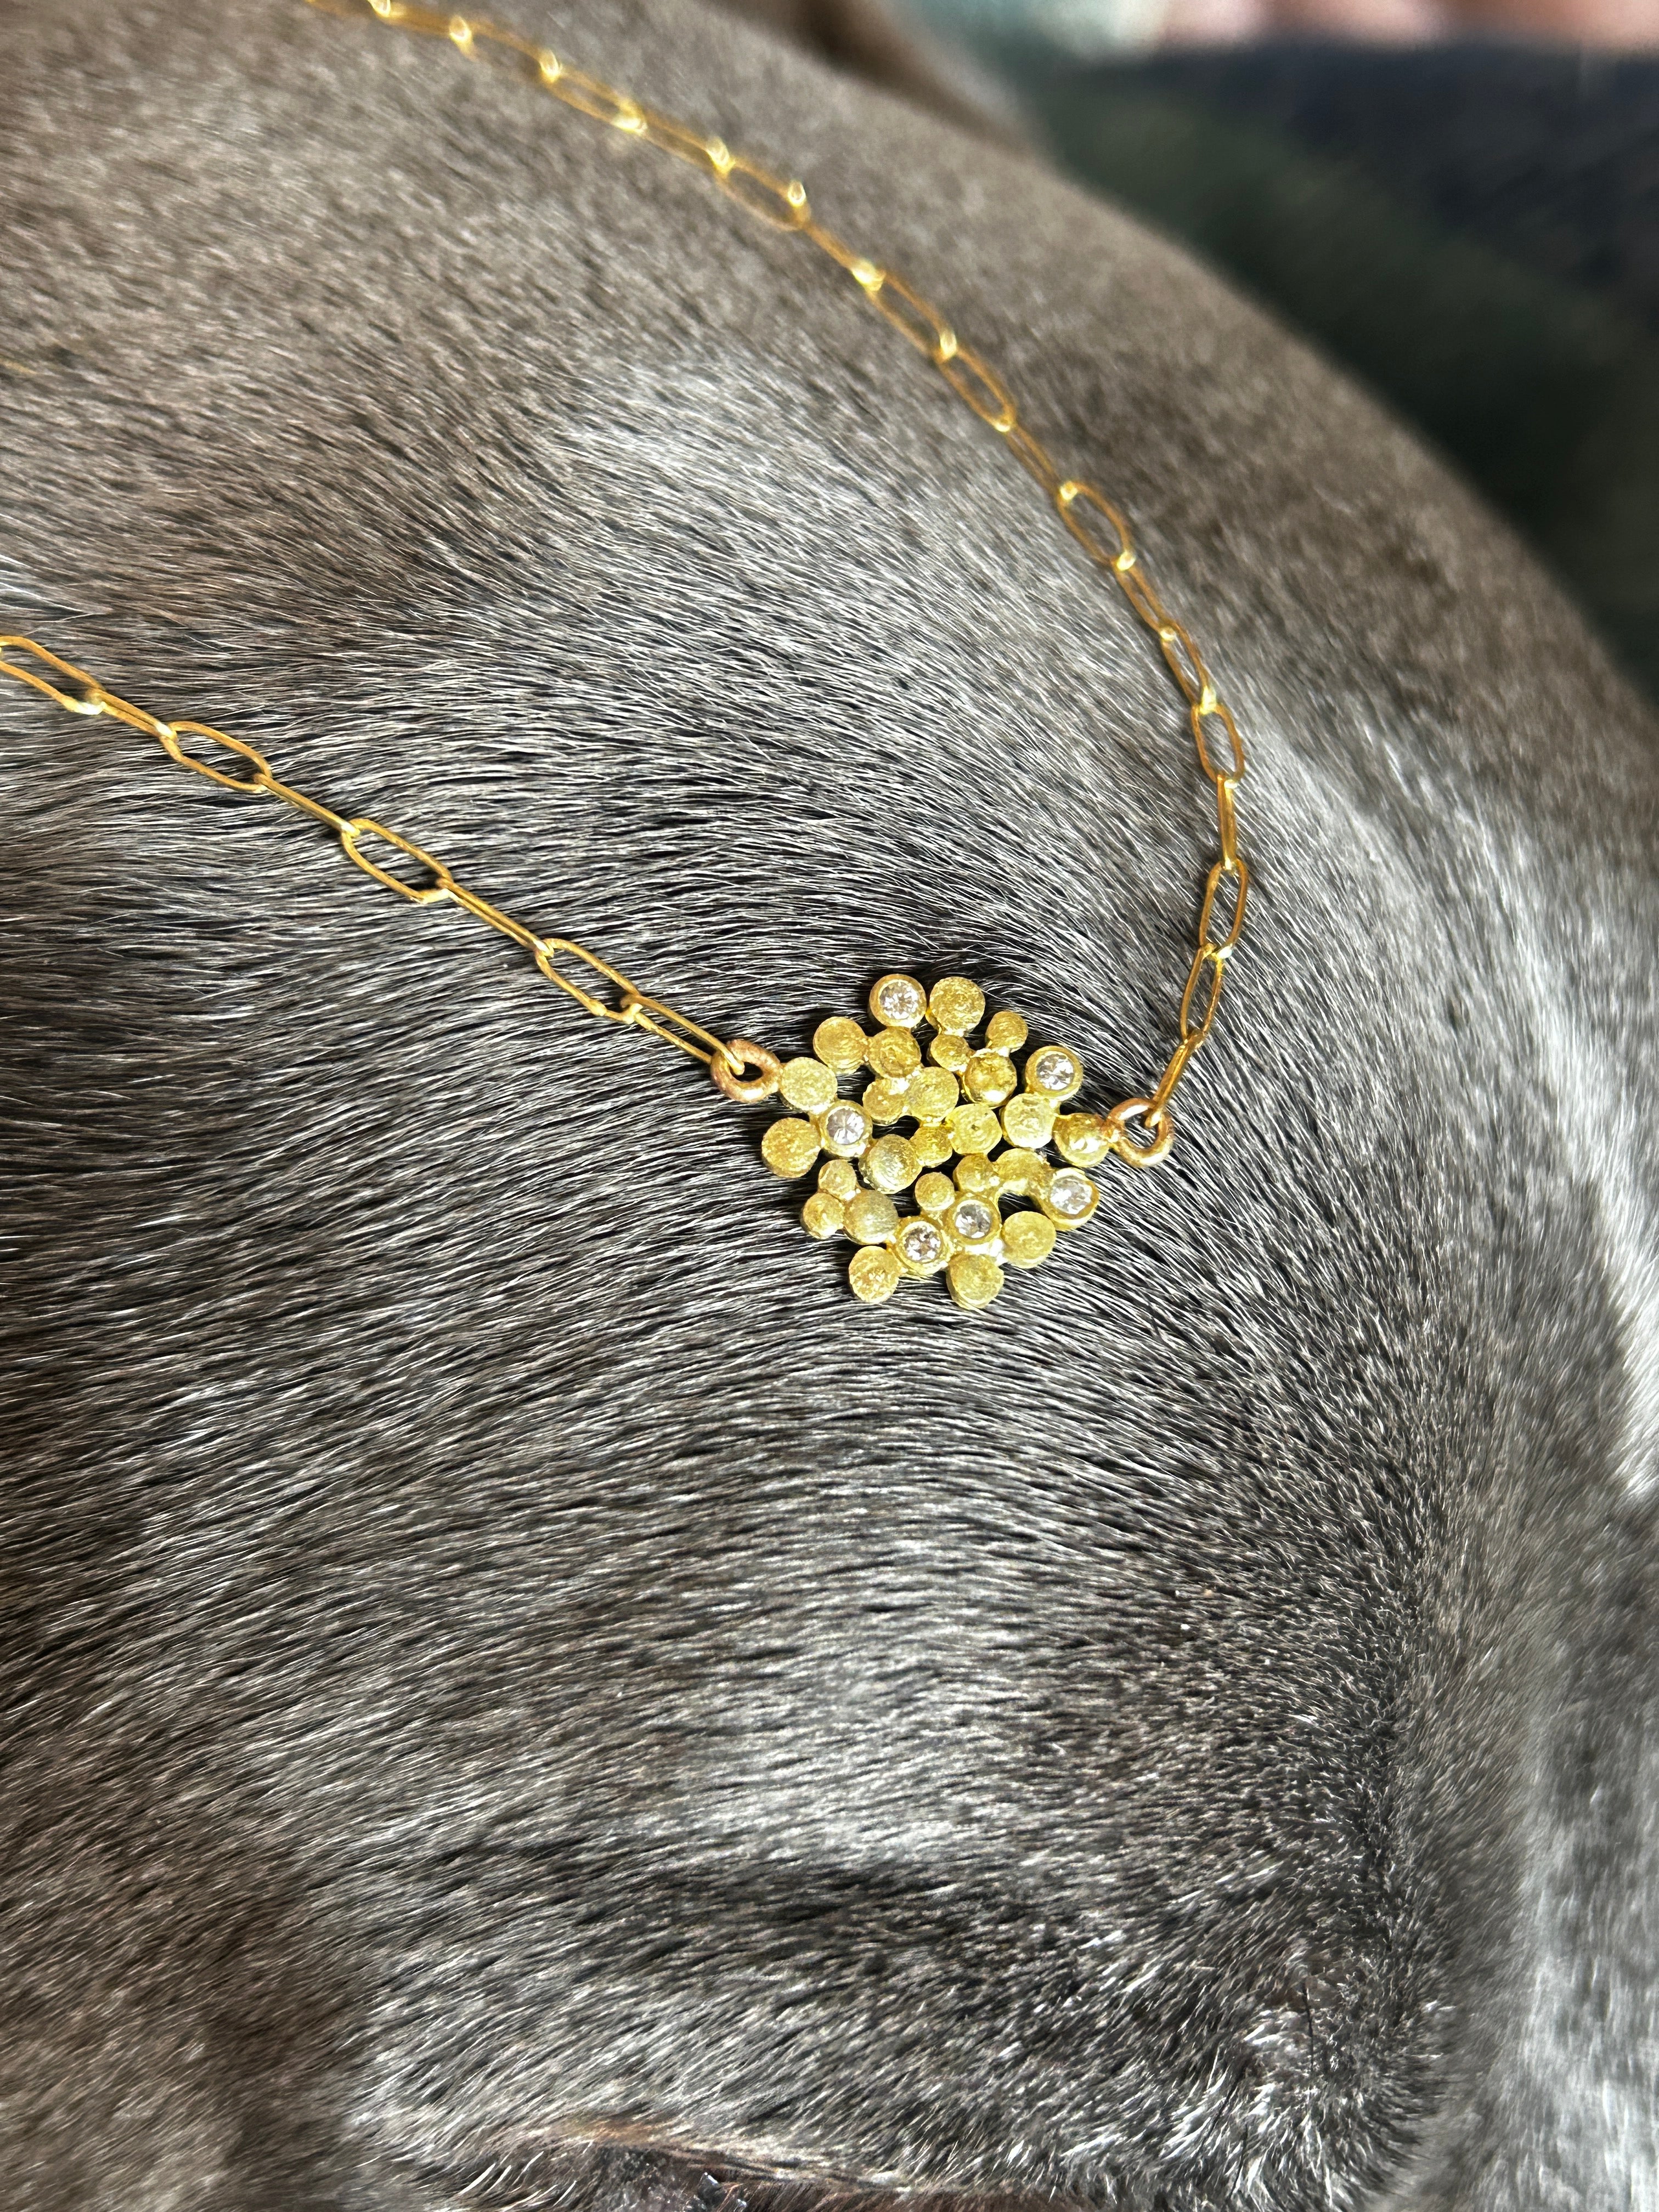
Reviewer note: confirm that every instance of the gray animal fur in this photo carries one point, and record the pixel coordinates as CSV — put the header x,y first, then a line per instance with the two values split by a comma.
x,y
519,1691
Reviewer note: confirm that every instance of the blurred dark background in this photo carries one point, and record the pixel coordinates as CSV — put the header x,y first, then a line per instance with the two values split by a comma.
x,y
1460,208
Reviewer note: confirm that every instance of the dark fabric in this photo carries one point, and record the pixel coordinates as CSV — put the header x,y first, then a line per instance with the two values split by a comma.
x,y
1473,231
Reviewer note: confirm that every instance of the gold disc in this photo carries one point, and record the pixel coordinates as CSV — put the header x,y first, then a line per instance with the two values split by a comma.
x,y
974,1278
874,1274
808,1085
789,1147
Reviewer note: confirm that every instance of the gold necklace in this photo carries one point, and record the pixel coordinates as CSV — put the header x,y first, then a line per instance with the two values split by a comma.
x,y
969,1106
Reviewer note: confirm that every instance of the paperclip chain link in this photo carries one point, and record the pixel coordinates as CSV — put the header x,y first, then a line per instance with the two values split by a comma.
x,y
1141,1128
247,770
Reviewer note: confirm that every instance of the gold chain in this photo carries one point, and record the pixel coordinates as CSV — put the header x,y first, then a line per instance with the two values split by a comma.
x,y
1141,1128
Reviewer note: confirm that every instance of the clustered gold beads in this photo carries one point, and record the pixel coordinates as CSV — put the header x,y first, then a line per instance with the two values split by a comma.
x,y
1004,1202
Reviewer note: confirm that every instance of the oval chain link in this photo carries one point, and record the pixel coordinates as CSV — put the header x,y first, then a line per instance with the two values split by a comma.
x,y
628,1004
1141,1129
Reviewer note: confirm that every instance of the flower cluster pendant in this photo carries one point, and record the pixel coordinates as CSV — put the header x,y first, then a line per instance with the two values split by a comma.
x,y
964,1129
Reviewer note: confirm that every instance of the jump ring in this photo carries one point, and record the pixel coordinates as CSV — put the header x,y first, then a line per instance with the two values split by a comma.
x,y
727,1066
1132,1151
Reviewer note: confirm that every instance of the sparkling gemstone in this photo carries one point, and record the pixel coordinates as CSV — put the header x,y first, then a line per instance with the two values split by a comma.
x,y
972,1220
1055,1070
921,1243
900,1000
845,1126
1071,1192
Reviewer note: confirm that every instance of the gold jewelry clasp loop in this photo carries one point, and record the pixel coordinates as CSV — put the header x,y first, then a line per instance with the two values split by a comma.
x,y
1137,1151
727,1066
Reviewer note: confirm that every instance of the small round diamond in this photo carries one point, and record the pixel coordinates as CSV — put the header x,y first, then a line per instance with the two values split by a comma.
x,y
846,1129
1070,1197
921,1243
900,1000
1055,1070
973,1220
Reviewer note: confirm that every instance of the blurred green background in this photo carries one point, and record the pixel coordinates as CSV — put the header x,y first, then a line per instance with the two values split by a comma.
x,y
1471,230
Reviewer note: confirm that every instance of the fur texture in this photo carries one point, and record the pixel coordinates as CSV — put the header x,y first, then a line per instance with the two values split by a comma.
x,y
520,1692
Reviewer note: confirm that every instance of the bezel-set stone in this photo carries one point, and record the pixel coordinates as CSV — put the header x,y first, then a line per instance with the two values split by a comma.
x,y
899,1000
844,1129
973,1220
1070,1198
1054,1071
921,1245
